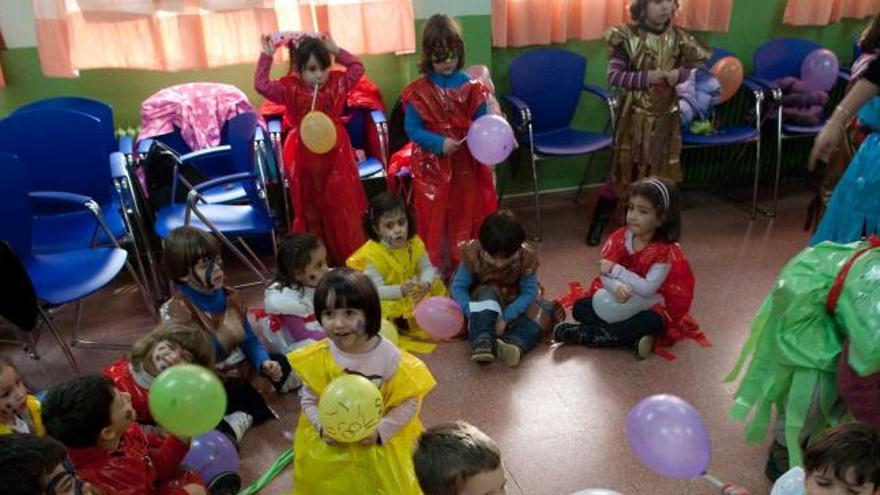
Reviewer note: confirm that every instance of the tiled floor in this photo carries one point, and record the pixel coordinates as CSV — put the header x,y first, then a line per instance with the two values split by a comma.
x,y
559,418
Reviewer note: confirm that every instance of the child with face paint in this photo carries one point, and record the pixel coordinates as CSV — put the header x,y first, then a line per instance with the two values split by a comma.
x,y
192,260
326,192
288,321
19,410
452,192
347,306
396,261
32,465
168,344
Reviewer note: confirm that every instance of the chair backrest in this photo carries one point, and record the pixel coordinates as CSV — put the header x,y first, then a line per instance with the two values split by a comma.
x,y
356,127
60,150
550,81
782,57
174,140
15,209
98,109
240,132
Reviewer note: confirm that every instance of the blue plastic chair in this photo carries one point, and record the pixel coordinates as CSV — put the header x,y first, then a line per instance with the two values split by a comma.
x,y
545,87
358,127
734,135
60,277
228,220
772,61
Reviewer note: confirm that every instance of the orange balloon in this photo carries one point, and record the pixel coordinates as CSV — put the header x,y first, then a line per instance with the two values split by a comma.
x,y
317,132
729,72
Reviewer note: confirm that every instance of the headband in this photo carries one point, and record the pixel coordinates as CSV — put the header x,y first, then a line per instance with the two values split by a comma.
x,y
664,192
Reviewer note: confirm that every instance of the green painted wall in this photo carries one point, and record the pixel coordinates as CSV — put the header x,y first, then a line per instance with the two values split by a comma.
x,y
752,23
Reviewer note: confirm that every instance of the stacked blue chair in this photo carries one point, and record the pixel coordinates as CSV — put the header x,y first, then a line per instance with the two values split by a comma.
x,y
545,87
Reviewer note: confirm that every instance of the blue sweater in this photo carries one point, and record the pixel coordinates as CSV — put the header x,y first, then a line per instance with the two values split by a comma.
x,y
415,125
216,304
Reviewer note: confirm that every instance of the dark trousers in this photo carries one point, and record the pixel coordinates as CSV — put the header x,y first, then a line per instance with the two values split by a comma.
x,y
523,331
594,332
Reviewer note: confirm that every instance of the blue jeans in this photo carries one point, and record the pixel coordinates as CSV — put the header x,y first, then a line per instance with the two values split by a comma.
x,y
524,332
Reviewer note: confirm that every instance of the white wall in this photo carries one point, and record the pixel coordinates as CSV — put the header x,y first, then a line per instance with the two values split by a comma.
x,y
17,23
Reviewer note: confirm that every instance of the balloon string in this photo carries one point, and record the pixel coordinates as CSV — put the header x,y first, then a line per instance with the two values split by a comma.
x,y
713,480
280,464
315,97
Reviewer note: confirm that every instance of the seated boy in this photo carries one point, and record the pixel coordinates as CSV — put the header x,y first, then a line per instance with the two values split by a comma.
x,y
96,423
32,465
458,459
496,286
842,460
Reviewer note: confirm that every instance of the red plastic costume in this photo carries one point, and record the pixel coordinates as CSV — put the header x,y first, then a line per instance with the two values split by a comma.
x,y
141,465
677,290
452,195
120,373
326,194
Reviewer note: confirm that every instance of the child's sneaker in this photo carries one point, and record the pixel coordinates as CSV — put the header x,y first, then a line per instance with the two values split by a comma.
x,y
239,422
509,353
291,384
482,352
226,483
568,333
645,346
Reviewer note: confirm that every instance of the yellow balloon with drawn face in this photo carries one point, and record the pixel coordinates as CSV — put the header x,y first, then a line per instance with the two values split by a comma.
x,y
350,408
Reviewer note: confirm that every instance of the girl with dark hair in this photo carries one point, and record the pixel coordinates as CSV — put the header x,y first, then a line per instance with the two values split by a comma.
x,y
347,305
326,192
440,107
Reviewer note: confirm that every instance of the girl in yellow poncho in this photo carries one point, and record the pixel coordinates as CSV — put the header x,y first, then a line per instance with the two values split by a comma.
x,y
397,262
347,305
19,411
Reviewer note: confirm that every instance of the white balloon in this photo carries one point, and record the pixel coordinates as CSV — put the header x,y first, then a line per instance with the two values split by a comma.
x,y
790,483
596,491
606,306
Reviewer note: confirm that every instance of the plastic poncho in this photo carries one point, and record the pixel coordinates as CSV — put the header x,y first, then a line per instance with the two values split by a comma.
x,y
795,342
385,469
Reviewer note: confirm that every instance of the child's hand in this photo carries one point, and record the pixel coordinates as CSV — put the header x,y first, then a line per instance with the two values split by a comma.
x,y
734,490
328,440
408,288
672,77
273,370
623,292
371,440
500,326
605,266
450,146
266,43
421,290
656,77
331,45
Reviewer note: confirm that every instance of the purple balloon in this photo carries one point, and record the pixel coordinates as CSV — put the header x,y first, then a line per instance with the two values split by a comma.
x,y
490,139
819,69
210,455
669,436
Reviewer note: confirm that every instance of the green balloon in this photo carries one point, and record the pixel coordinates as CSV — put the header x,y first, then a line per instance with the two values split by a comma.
x,y
187,400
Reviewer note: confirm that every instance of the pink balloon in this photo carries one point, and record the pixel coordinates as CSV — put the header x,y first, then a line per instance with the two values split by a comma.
x,y
439,317
819,69
490,139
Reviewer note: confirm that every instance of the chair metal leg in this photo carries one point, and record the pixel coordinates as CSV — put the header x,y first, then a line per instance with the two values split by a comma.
x,y
577,196
754,213
538,231
142,279
56,334
774,200
226,242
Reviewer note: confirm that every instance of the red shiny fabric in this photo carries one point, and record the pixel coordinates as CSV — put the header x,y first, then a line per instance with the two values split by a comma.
x,y
326,193
120,373
141,465
452,195
677,290
397,165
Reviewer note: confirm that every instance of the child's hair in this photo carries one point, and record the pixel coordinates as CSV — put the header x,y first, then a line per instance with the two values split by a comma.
x,y
501,235
386,203
294,253
347,288
869,41
190,339
637,9
301,52
440,32
76,411
664,195
850,446
184,247
26,460
448,454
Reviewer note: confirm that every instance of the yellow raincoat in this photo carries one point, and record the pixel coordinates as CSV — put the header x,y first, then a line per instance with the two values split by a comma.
x,y
387,469
398,266
33,408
